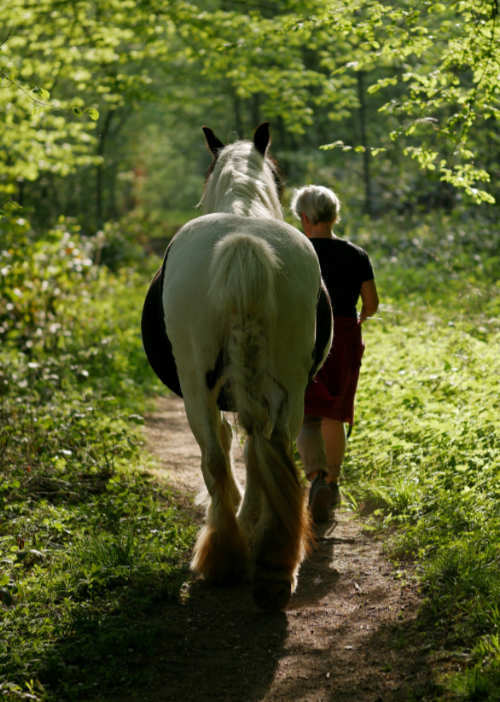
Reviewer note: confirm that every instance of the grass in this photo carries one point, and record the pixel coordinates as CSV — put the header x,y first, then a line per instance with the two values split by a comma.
x,y
91,544
424,453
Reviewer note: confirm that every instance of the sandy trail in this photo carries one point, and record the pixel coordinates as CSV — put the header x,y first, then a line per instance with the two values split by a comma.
x,y
348,634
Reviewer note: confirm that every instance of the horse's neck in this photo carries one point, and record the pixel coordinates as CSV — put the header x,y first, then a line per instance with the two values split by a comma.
x,y
239,186
243,197
259,207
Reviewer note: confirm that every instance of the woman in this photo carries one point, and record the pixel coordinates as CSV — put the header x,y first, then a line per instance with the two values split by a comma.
x,y
329,399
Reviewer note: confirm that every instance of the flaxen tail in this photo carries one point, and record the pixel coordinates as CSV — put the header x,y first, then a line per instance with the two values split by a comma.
x,y
242,290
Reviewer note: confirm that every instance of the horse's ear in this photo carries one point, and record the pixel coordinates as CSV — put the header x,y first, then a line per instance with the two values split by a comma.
x,y
262,138
214,144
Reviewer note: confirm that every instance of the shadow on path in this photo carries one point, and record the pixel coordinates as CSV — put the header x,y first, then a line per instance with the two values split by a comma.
x,y
351,633
215,646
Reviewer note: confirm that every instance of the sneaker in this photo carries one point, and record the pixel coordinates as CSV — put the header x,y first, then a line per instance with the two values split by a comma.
x,y
323,498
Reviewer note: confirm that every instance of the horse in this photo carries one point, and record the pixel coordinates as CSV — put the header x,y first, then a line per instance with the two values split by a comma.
x,y
238,320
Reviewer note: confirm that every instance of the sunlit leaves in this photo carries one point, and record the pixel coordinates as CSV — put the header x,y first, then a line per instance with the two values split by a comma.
x,y
348,147
424,451
59,64
442,62
65,66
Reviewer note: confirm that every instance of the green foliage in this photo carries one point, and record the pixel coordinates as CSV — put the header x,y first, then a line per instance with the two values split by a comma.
x,y
431,67
424,452
71,75
37,284
101,106
88,542
95,99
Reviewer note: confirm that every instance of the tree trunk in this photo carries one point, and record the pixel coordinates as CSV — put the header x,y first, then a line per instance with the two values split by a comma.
x,y
238,119
20,192
367,179
101,147
255,110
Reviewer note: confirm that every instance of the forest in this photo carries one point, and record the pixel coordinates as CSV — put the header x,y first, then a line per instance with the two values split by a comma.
x,y
395,106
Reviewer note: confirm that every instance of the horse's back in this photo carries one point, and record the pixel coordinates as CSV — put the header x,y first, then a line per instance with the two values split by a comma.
x,y
188,267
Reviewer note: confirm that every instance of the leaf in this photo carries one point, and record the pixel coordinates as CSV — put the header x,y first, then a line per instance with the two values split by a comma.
x,y
334,145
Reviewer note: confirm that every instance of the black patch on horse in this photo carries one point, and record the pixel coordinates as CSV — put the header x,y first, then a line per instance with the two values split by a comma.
x,y
224,398
154,334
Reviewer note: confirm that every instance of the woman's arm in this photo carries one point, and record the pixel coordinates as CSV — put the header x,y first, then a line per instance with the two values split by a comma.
x,y
369,298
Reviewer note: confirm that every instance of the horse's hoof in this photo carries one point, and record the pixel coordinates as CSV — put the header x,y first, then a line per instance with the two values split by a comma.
x,y
272,595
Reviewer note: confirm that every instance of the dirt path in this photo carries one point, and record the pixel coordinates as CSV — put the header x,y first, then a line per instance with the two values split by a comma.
x,y
349,633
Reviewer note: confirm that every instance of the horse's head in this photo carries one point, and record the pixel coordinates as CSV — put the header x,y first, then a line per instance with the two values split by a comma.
x,y
261,140
248,173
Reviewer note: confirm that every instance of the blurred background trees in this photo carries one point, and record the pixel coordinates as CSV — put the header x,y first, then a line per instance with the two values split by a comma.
x,y
391,103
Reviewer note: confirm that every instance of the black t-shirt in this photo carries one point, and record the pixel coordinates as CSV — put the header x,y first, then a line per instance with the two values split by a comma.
x,y
344,266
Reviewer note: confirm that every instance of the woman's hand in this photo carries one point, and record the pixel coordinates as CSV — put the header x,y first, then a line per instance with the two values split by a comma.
x,y
369,299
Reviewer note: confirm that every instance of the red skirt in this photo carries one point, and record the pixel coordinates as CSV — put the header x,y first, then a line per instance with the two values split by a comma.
x,y
331,393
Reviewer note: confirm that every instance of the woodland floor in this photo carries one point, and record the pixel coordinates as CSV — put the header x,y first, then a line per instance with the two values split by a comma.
x,y
350,633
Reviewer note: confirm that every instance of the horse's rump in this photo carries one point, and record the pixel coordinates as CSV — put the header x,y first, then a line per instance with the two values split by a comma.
x,y
225,278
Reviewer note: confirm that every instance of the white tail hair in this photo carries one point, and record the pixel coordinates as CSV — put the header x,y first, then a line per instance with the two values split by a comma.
x,y
242,290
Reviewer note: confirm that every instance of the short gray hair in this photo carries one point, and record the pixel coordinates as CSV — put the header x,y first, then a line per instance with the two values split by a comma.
x,y
318,203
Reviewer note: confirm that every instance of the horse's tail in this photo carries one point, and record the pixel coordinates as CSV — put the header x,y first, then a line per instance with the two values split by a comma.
x,y
242,290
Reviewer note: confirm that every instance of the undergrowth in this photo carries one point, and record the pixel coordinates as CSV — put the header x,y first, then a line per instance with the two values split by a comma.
x,y
89,542
423,458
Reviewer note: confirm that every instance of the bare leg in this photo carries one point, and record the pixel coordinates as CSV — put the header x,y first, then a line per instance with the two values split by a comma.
x,y
334,440
311,447
321,444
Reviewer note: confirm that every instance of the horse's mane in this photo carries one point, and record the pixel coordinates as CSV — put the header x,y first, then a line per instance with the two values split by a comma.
x,y
242,182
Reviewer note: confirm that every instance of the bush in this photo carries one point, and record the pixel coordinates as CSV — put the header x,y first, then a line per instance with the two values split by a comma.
x,y
86,537
424,450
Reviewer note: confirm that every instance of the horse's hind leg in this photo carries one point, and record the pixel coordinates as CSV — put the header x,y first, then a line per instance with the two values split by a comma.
x,y
251,506
226,438
221,553
283,529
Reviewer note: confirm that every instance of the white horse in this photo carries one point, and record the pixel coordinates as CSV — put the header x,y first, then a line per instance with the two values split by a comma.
x,y
239,306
